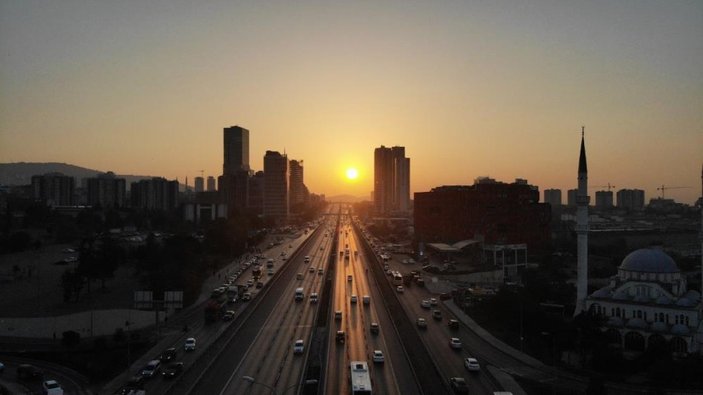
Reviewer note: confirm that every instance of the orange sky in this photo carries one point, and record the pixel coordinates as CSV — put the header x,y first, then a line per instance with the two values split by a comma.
x,y
469,89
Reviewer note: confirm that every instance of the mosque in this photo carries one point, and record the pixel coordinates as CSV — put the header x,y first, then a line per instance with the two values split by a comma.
x,y
647,302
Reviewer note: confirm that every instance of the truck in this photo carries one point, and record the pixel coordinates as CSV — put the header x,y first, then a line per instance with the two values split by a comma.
x,y
233,293
215,308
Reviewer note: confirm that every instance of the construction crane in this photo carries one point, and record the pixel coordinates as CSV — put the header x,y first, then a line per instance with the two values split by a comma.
x,y
604,186
664,188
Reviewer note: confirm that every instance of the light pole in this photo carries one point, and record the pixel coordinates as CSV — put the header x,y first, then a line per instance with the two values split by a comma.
x,y
272,389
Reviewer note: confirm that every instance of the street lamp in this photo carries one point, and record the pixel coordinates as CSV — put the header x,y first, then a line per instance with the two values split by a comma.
x,y
272,389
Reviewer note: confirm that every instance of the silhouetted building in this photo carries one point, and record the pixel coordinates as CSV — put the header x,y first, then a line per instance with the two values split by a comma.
x,y
630,199
234,190
571,197
604,199
54,189
256,193
500,212
236,150
199,184
553,197
391,180
276,178
211,187
206,207
106,190
297,186
154,194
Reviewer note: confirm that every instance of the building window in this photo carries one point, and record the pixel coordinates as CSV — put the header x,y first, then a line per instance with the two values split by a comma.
x,y
639,313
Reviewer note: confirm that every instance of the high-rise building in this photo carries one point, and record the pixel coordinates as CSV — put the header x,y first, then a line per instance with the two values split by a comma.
x,y
553,197
391,180
297,185
604,199
276,177
211,187
199,184
106,190
54,189
571,197
154,194
236,150
630,199
256,193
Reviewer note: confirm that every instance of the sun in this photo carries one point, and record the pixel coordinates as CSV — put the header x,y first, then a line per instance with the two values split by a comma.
x,y
352,174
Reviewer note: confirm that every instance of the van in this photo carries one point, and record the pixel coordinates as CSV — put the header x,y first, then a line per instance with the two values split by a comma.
x,y
299,294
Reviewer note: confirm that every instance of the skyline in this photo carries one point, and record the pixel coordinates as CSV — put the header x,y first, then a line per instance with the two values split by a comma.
x,y
470,90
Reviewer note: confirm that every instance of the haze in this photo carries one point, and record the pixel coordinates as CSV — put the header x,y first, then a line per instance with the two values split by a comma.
x,y
469,88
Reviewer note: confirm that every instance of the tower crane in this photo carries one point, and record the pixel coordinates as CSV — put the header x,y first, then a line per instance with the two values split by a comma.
x,y
604,186
664,188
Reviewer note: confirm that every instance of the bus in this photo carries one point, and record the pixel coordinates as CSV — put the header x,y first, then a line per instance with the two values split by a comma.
x,y
397,278
360,379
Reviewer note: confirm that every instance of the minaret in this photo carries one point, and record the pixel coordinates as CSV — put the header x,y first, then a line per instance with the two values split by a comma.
x,y
701,205
582,200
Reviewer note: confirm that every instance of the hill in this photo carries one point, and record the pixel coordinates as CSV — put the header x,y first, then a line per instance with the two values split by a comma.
x,y
21,173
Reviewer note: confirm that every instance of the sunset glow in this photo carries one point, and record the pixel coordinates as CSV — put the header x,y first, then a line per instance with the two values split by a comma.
x,y
352,174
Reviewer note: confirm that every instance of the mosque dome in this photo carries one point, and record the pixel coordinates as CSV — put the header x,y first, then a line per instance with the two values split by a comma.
x,y
693,295
659,327
649,260
679,329
637,323
685,302
615,321
664,300
604,292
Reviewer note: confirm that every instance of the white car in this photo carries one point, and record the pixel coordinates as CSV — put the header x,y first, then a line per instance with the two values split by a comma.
x,y
298,347
425,304
353,298
400,289
378,356
455,343
433,301
471,364
189,345
51,387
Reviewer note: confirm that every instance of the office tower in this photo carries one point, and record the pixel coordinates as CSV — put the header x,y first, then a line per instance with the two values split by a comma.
x,y
211,184
199,184
391,180
571,197
54,189
604,199
553,197
296,183
236,150
154,194
630,199
106,190
276,186
582,200
256,193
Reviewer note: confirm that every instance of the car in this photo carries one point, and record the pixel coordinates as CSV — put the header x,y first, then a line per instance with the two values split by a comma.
x,y
366,299
259,285
425,304
307,258
189,344
400,289
28,372
340,337
453,324
455,343
311,270
51,387
2,367
378,356
228,315
353,298
374,328
350,278
313,298
471,364
320,271
270,272
298,346
458,385
433,301
151,369
338,315
173,369
299,276
250,282
437,314
169,354
421,323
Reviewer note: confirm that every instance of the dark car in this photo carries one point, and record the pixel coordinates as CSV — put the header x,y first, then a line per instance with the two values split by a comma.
x,y
340,337
458,385
172,370
168,355
135,383
374,328
28,372
453,324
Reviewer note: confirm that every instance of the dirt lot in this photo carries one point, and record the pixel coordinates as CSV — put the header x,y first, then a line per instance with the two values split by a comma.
x,y
35,290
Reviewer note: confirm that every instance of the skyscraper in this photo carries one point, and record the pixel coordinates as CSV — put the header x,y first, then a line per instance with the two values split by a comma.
x,y
236,150
106,190
296,183
391,180
276,186
553,197
604,199
199,184
582,200
211,184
